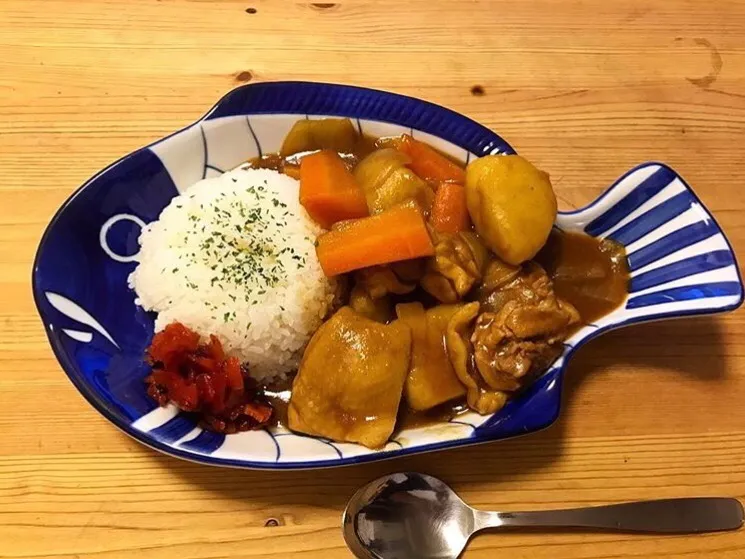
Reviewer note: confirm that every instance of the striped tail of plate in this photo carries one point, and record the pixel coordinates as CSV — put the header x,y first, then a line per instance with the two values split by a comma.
x,y
680,261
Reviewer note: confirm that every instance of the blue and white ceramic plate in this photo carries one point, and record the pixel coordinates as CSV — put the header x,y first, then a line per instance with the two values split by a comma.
x,y
680,260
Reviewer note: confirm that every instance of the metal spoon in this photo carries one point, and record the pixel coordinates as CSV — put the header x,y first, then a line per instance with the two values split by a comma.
x,y
412,516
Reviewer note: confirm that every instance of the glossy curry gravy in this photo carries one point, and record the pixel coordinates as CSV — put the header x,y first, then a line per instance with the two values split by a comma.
x,y
591,274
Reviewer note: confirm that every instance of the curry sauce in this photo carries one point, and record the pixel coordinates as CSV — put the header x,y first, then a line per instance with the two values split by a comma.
x,y
591,274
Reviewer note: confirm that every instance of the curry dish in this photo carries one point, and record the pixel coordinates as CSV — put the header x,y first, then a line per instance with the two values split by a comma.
x,y
454,290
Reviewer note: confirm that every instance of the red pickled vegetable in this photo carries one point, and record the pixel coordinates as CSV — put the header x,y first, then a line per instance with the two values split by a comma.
x,y
169,346
204,364
232,368
215,348
199,378
184,394
206,388
260,412
219,384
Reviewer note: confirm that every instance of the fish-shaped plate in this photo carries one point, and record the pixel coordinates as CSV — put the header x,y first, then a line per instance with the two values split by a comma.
x,y
681,264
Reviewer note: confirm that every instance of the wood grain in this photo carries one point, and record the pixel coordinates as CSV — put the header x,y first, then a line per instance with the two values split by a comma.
x,y
586,88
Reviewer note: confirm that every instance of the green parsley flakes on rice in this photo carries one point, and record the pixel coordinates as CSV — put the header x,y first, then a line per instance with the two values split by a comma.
x,y
235,256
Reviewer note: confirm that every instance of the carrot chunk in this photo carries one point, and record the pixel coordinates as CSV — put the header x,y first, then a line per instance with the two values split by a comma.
x,y
449,212
393,235
328,190
429,164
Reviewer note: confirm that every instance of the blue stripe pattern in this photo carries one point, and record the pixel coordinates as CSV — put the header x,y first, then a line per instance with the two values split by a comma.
x,y
654,184
327,442
276,444
681,269
256,139
173,429
648,222
687,293
205,149
702,241
204,443
664,246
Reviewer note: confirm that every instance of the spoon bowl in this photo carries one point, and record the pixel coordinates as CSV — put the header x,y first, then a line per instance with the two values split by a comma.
x,y
407,515
416,516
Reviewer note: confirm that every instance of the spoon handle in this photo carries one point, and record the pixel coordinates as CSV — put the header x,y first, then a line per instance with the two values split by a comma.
x,y
667,515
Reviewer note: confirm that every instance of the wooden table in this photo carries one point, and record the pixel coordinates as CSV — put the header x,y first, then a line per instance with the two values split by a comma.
x,y
586,89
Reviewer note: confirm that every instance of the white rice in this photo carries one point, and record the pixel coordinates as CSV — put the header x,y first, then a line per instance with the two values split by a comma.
x,y
234,256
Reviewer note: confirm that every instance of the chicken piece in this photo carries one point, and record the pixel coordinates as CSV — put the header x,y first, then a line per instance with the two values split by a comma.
x,y
387,182
379,281
460,351
378,309
401,186
458,340
373,170
496,275
369,296
409,271
486,402
431,380
521,330
350,380
457,265
528,284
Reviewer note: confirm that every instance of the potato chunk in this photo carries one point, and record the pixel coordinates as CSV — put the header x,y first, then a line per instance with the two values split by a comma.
x,y
431,380
350,380
337,134
512,205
